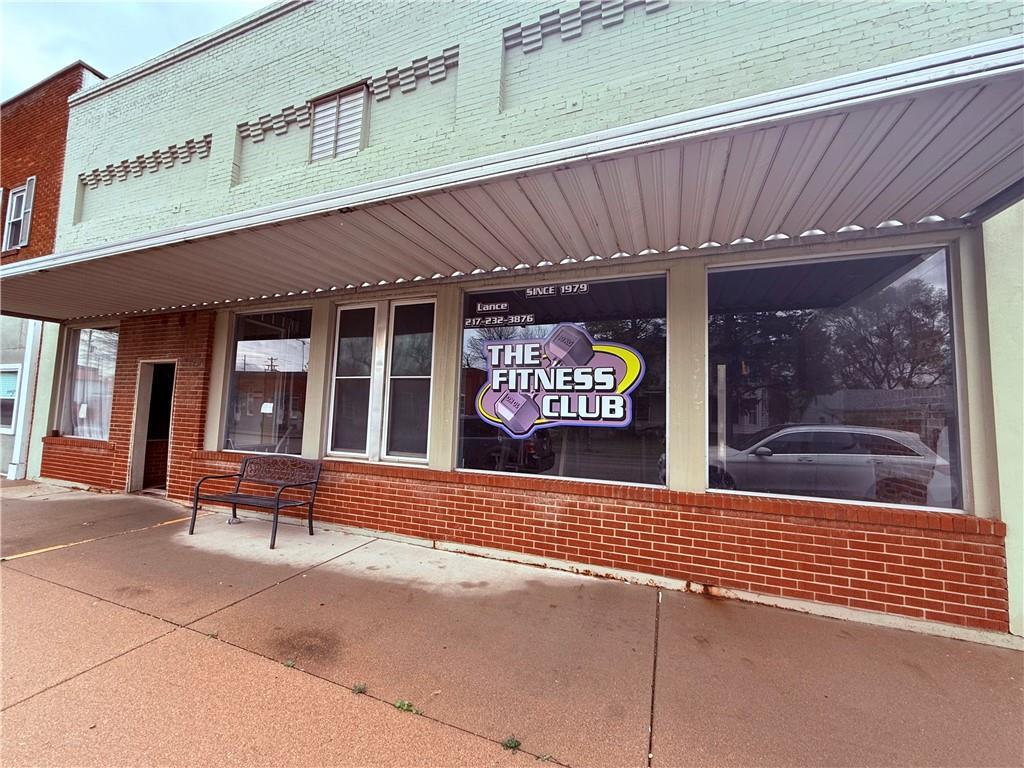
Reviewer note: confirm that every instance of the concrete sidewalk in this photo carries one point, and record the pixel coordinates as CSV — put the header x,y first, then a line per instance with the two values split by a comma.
x,y
145,646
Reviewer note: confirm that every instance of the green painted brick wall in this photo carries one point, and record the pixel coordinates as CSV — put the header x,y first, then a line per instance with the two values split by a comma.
x,y
657,61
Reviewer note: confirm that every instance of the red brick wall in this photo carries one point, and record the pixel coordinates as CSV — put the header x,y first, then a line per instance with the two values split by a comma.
x,y
928,565
33,131
78,460
187,340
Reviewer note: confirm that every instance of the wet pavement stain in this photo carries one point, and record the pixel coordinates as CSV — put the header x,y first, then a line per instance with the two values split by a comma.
x,y
133,591
307,645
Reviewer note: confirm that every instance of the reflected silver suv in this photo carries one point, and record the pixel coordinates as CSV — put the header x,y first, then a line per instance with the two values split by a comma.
x,y
835,461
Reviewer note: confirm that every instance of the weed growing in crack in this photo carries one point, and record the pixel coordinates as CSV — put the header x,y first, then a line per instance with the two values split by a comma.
x,y
407,706
290,663
511,743
359,688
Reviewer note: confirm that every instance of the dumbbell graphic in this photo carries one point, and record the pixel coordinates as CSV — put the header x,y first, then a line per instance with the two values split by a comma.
x,y
567,345
517,411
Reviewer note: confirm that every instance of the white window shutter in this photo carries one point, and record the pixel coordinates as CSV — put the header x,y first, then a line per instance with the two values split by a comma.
x,y
350,122
338,124
26,216
325,114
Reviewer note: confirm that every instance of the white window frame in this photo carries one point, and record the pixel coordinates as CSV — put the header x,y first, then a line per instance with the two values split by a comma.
x,y
337,96
380,381
24,218
373,419
16,407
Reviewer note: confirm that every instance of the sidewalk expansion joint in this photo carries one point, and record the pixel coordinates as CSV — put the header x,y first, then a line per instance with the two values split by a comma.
x,y
90,669
56,547
277,583
654,681
174,624
387,703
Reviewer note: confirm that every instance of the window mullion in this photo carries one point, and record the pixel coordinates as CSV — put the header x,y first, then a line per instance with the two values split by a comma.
x,y
378,380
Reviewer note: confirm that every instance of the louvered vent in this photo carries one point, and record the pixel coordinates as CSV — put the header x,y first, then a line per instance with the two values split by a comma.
x,y
338,124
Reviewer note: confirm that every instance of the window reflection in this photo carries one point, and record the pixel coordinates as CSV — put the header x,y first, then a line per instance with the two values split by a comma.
x,y
267,399
352,379
90,387
412,341
835,379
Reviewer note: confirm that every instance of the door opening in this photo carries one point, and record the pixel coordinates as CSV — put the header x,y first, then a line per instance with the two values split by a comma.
x,y
152,432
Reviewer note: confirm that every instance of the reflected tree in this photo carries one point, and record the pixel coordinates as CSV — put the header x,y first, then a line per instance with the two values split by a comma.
x,y
899,338
474,353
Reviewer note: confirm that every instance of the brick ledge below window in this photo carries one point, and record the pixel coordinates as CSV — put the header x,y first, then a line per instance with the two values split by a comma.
x,y
826,509
97,446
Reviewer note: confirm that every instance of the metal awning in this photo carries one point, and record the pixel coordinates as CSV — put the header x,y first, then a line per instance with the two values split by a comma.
x,y
928,140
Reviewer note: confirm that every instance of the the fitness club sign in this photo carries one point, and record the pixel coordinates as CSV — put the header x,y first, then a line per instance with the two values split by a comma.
x,y
567,379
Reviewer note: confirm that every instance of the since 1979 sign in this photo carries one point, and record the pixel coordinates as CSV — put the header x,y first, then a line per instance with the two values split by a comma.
x,y
566,379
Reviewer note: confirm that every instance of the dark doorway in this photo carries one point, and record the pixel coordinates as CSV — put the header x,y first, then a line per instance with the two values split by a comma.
x,y
158,430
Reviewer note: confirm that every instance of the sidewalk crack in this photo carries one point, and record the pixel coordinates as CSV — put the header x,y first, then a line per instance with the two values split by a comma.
x,y
654,682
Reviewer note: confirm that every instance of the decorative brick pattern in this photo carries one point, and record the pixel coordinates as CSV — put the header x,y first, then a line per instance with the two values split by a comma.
x,y
689,55
152,162
568,25
406,78
926,565
298,115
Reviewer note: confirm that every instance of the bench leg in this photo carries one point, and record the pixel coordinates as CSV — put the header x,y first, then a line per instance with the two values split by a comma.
x,y
273,530
234,511
195,510
310,518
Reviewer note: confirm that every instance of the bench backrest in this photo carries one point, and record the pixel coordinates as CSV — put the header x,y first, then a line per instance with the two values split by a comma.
x,y
280,470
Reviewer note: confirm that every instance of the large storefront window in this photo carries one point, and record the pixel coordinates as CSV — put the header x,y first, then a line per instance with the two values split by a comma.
x,y
92,357
382,372
268,382
835,379
567,380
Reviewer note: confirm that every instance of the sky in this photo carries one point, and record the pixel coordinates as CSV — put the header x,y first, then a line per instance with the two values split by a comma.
x,y
39,38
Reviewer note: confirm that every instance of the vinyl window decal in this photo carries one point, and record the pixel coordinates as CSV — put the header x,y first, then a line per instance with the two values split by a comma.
x,y
565,379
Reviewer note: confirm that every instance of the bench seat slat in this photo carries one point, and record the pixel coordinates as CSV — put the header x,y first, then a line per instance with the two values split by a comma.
x,y
253,501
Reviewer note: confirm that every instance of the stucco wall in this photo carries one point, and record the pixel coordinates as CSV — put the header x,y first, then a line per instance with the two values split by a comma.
x,y
654,58
1004,273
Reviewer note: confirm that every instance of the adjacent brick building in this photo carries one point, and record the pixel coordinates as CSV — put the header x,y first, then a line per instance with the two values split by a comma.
x,y
581,285
33,137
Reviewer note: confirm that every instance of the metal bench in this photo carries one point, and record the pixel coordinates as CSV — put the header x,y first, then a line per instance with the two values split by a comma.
x,y
280,472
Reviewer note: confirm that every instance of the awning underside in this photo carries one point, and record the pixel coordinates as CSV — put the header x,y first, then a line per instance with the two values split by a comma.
x,y
938,155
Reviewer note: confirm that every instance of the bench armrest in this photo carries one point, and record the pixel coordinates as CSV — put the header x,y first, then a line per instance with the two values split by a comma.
x,y
215,477
286,486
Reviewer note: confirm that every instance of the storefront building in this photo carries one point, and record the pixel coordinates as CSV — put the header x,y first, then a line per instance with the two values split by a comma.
x,y
694,292
33,134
